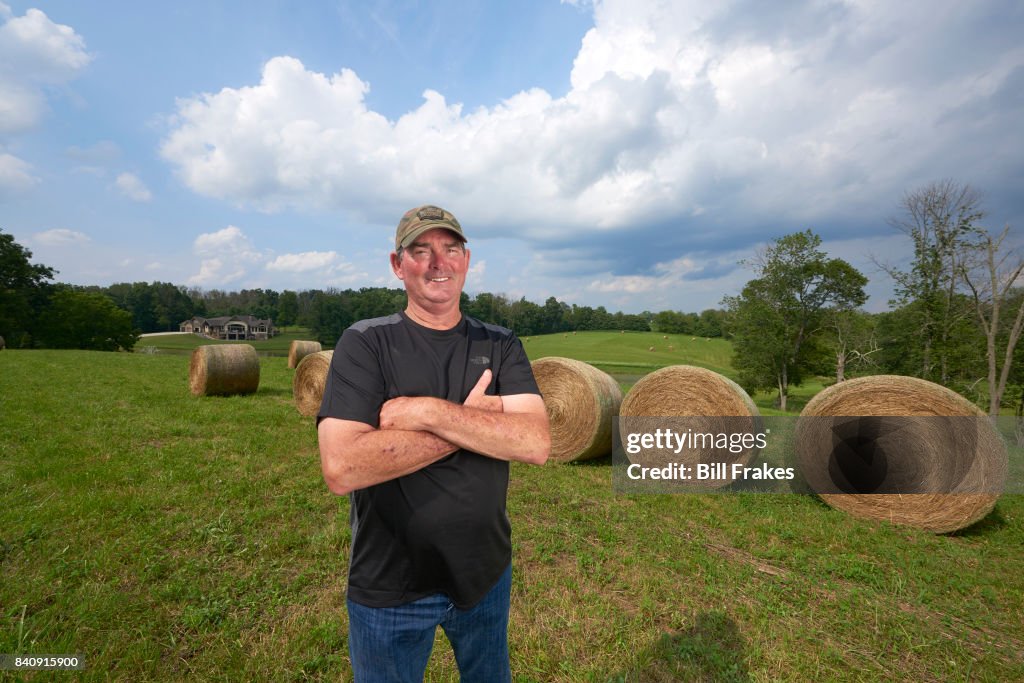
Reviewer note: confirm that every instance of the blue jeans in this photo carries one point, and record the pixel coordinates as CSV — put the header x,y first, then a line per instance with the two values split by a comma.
x,y
393,644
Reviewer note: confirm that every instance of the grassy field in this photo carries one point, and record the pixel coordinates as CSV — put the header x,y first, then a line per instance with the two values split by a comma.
x,y
627,356
167,537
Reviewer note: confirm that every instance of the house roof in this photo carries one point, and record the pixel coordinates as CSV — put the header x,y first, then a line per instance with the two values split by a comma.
x,y
221,321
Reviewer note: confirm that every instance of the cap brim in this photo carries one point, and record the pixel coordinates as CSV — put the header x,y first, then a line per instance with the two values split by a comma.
x,y
420,229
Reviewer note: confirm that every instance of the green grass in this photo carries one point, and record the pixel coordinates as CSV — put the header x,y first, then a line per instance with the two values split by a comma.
x,y
626,351
168,537
627,356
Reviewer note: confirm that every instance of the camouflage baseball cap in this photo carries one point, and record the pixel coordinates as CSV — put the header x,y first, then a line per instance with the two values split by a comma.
x,y
417,221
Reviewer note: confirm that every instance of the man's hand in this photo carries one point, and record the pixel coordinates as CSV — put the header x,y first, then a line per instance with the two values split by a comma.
x,y
478,399
417,413
408,413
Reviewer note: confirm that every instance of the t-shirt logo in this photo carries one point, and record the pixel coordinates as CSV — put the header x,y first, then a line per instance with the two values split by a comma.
x,y
480,360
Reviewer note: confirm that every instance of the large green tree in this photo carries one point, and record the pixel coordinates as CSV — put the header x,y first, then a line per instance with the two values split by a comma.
x,y
78,319
24,289
776,321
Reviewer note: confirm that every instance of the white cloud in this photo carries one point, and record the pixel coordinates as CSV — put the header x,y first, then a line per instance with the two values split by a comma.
x,y
475,276
316,269
340,275
34,52
20,106
226,256
668,275
685,121
230,240
15,176
213,272
306,261
60,237
133,188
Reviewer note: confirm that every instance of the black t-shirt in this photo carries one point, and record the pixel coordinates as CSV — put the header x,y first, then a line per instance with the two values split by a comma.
x,y
443,528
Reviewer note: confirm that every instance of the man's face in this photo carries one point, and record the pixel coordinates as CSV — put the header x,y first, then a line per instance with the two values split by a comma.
x,y
433,268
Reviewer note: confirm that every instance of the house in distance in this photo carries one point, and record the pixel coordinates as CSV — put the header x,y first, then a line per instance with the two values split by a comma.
x,y
230,327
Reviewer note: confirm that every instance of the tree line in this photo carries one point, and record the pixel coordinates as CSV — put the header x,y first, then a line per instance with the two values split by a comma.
x,y
35,312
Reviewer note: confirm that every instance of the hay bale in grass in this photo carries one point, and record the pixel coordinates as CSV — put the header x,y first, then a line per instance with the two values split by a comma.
x,y
309,381
300,349
581,402
710,402
224,369
901,449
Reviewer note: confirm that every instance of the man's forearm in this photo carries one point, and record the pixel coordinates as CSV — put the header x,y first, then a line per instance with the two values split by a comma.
x,y
506,436
522,436
374,456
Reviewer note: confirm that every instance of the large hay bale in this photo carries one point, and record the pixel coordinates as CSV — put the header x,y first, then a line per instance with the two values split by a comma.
x,y
710,403
687,390
224,369
300,349
581,402
309,381
901,449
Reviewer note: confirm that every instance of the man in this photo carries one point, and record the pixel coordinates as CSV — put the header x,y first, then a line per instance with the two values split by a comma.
x,y
422,412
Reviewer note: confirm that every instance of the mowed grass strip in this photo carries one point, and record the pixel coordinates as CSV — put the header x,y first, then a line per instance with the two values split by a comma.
x,y
167,537
632,350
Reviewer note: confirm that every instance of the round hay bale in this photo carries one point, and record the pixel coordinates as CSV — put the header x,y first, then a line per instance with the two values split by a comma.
x,y
309,381
901,449
224,369
581,402
685,391
710,402
300,349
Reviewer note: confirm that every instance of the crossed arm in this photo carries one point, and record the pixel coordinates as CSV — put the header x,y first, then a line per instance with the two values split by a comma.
x,y
417,431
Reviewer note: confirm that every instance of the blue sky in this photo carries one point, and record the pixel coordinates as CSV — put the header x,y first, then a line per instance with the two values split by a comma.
x,y
625,154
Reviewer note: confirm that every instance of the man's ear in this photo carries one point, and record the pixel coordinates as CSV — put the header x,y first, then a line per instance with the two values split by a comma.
x,y
396,266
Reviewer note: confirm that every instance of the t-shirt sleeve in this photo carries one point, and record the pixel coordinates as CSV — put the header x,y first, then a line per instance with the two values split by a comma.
x,y
515,375
355,383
